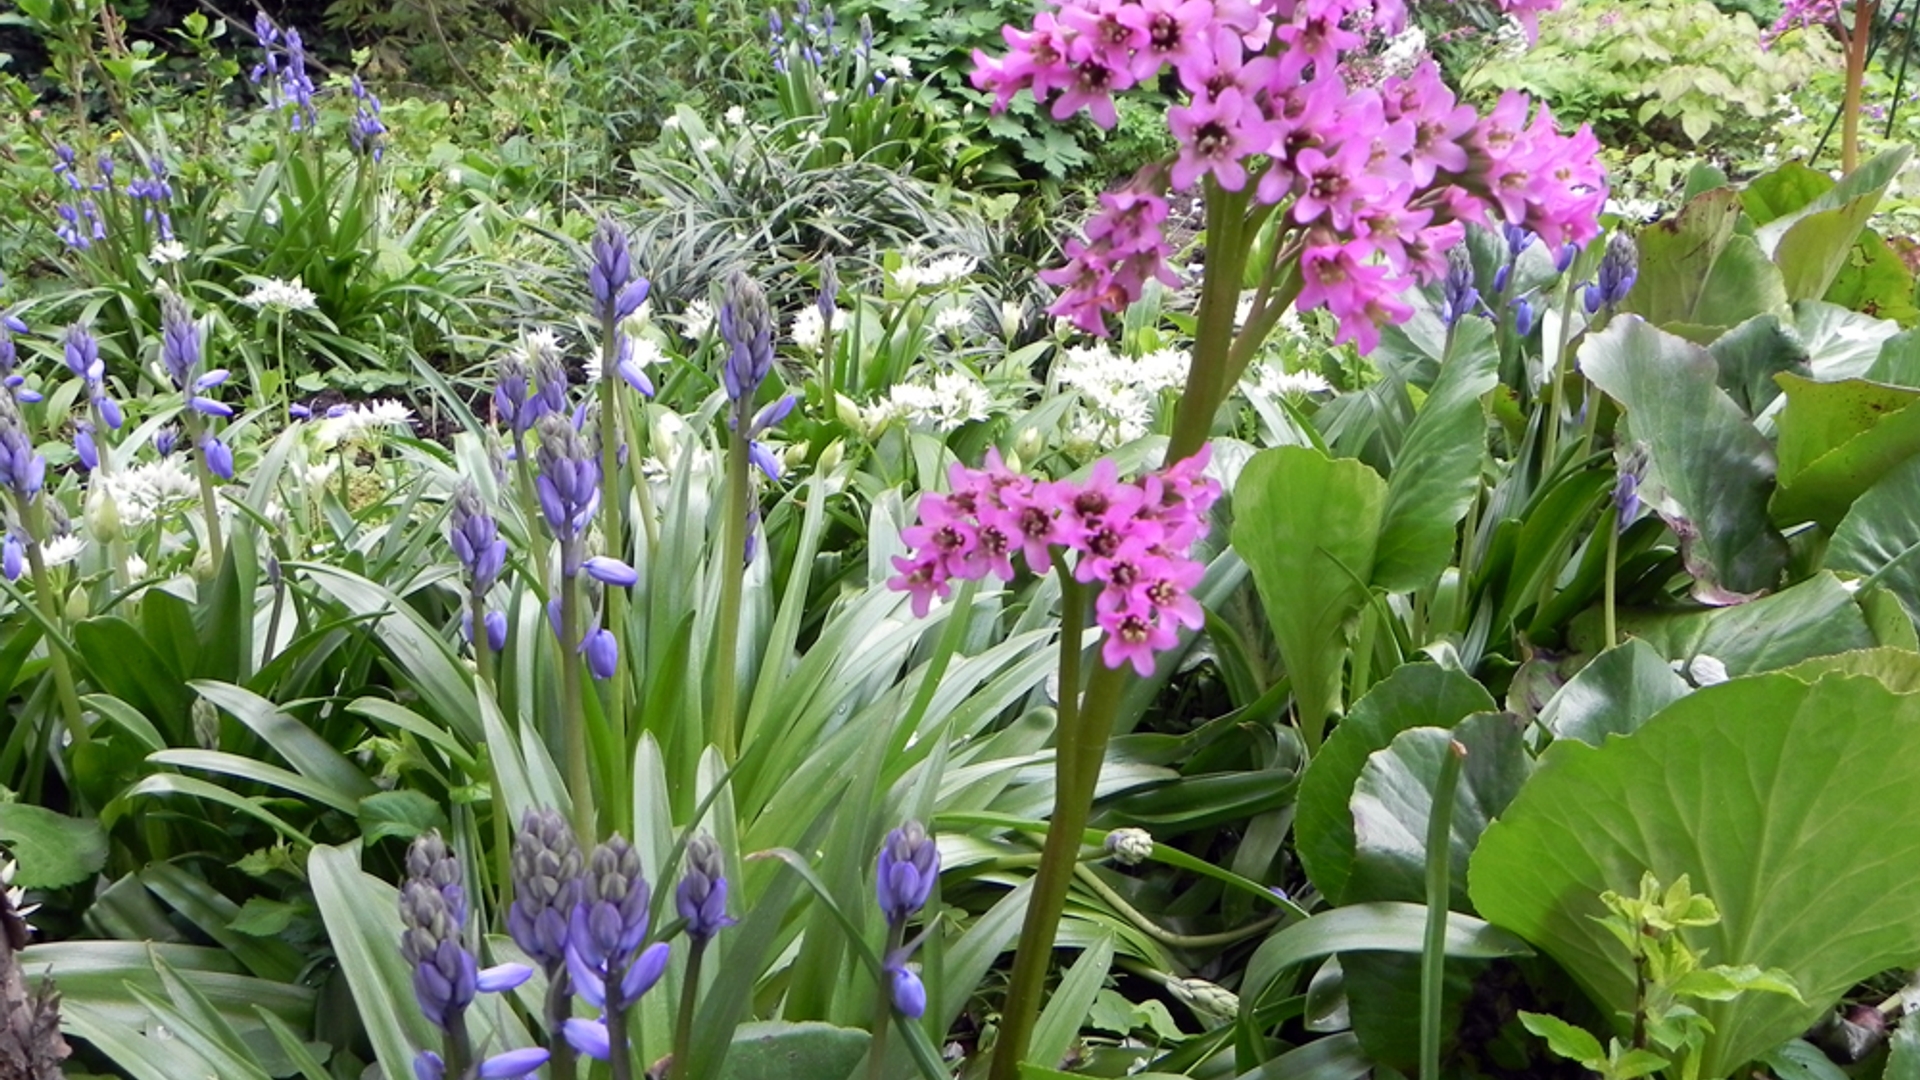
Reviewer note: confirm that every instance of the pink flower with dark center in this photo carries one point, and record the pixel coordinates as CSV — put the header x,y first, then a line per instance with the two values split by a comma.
x,y
1336,184
1133,637
1314,39
1092,86
1174,32
1111,38
1214,136
1394,227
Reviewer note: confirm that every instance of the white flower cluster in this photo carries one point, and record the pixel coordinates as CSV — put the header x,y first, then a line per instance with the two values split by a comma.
x,y
167,251
1276,381
1404,50
362,423
809,329
697,320
1121,392
952,320
146,493
646,353
954,398
281,296
945,270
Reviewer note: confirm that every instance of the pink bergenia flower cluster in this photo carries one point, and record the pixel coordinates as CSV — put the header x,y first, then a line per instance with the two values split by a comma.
x,y
1131,538
1377,179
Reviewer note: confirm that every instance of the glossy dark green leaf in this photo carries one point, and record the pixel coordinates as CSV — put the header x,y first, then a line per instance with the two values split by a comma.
x,y
1614,694
1706,464
1874,280
1880,536
1757,790
1697,270
1837,439
1393,799
1751,354
1436,473
776,1048
1415,695
1381,927
120,662
1813,618
1307,525
1775,194
53,850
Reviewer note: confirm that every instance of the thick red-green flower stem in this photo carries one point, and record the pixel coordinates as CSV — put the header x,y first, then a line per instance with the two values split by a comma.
x,y
1856,43
1207,373
1084,727
1086,723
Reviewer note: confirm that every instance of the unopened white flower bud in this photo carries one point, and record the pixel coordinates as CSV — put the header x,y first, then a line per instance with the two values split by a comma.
x,y
1129,846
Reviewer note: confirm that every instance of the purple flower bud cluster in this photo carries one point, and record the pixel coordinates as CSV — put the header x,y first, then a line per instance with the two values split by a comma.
x,y
586,920
1626,488
617,292
446,977
521,397
23,470
547,867
701,898
810,37
10,359
746,325
82,355
476,542
605,958
1619,268
283,71
366,131
1459,297
181,353
908,868
569,493
155,191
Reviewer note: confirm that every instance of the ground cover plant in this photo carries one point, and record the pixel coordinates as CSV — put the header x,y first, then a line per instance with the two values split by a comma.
x,y
499,586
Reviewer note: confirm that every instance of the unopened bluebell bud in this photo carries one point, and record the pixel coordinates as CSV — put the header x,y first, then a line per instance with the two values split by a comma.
x,y
909,865
547,867
701,898
1458,295
746,325
1522,316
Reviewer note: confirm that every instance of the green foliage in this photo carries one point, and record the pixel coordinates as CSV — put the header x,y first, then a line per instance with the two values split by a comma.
x,y
1669,70
1539,869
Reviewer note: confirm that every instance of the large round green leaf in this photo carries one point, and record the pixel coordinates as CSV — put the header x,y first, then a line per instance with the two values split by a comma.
x,y
1795,806
1394,798
1415,695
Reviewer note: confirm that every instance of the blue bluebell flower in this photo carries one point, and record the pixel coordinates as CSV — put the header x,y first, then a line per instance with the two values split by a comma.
x,y
617,292
909,865
701,897
547,867
12,557
165,439
366,131
22,470
1619,268
1563,258
1458,295
446,976
1522,316
609,968
1518,237
904,988
84,447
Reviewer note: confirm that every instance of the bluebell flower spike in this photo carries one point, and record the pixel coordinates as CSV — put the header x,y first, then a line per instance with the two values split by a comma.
x,y
701,897
1458,295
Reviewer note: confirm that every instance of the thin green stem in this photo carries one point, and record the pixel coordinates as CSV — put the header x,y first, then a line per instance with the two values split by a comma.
x,y
883,1012
683,1024
613,507
619,1053
43,597
1433,954
733,560
560,1065
573,712
1613,562
1154,930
